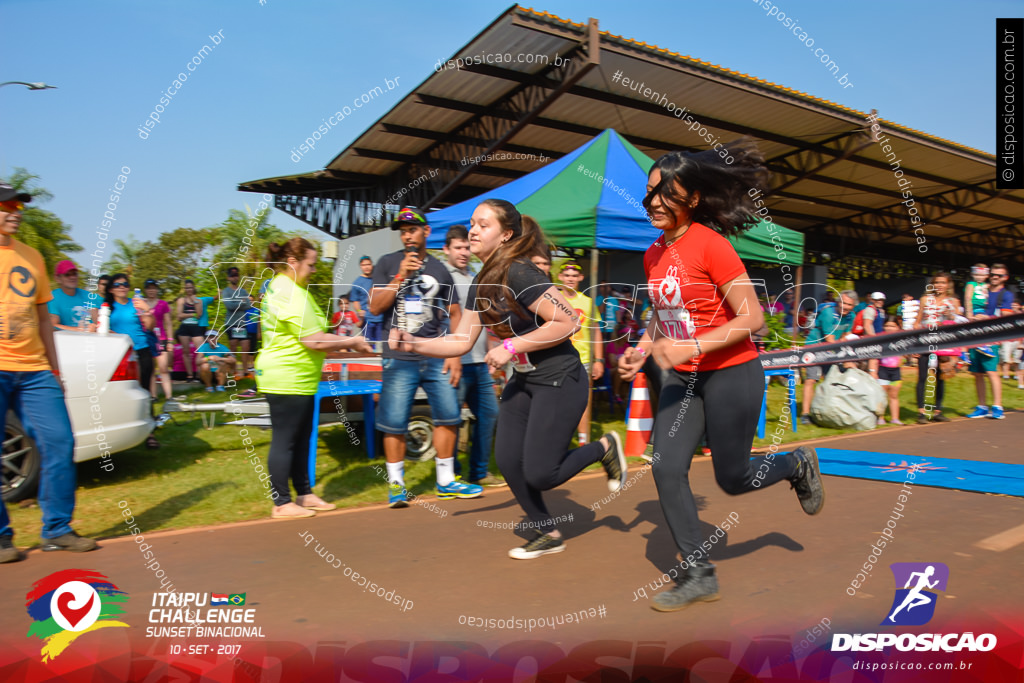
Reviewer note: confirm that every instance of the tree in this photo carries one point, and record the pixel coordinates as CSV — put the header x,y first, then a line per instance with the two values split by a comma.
x,y
244,237
179,255
124,257
42,229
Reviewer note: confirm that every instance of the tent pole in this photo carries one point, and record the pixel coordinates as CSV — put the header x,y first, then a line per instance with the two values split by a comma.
x,y
593,268
796,298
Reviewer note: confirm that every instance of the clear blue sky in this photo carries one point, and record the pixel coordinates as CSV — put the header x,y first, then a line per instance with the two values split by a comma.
x,y
285,65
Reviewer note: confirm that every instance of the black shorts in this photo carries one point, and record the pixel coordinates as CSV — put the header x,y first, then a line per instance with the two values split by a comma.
x,y
185,330
888,374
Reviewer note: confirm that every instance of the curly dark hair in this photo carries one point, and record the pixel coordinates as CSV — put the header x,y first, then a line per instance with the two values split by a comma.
x,y
725,200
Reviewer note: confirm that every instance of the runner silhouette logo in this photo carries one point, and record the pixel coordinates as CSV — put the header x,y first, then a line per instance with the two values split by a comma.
x,y
914,603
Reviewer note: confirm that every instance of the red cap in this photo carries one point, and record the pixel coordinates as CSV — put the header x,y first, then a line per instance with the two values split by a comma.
x,y
65,266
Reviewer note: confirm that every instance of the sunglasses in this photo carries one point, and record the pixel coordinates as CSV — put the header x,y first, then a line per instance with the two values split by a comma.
x,y
998,275
12,205
119,284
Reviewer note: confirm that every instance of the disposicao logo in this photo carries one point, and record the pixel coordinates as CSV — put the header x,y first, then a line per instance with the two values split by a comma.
x,y
70,603
914,605
922,575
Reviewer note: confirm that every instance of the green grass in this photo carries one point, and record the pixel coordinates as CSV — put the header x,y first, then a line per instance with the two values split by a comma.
x,y
203,477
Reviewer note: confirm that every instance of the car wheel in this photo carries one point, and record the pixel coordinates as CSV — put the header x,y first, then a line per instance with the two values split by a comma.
x,y
419,439
21,462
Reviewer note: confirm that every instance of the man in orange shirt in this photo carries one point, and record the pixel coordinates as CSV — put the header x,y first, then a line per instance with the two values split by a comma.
x,y
30,382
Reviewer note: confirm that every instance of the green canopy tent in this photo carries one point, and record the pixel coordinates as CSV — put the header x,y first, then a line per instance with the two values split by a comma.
x,y
591,198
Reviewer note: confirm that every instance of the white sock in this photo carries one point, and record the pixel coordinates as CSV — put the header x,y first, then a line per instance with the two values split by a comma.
x,y
995,406
445,470
582,436
396,473
983,407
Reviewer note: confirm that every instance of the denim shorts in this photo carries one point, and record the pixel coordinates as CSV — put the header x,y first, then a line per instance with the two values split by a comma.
x,y
400,379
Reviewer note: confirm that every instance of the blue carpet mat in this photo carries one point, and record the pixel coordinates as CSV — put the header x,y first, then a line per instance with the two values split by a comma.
x,y
947,473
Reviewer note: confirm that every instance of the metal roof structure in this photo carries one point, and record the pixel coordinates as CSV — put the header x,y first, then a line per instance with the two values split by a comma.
x,y
532,87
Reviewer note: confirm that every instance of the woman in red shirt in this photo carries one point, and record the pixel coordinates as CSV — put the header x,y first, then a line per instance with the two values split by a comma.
x,y
698,348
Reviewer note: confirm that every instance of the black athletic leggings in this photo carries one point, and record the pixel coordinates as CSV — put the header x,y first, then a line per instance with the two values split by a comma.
x,y
724,405
291,419
925,394
145,358
535,423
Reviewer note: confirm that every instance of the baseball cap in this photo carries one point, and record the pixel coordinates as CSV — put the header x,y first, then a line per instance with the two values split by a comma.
x,y
877,295
365,258
570,265
64,266
408,215
7,192
232,271
212,333
151,283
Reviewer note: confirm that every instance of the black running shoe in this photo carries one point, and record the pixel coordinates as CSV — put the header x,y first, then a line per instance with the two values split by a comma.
x,y
614,463
69,541
8,553
699,585
807,481
542,545
939,417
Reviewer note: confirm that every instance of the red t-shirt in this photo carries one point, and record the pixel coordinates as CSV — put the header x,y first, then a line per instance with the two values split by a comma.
x,y
686,283
350,321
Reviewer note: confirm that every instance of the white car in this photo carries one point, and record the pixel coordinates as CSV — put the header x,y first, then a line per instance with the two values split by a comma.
x,y
109,410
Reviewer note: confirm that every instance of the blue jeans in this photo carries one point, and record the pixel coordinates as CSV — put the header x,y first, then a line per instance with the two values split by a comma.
x,y
38,401
400,379
373,331
476,388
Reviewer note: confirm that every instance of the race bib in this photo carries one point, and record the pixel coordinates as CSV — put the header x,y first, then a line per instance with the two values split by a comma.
x,y
413,305
676,323
521,362
190,321
239,333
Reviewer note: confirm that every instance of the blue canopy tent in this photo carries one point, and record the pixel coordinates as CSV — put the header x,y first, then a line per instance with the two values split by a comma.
x,y
592,197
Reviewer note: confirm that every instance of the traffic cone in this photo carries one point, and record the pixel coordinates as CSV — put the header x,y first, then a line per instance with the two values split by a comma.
x,y
641,418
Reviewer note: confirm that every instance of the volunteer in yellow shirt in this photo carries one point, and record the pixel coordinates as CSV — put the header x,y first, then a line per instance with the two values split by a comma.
x,y
588,341
288,372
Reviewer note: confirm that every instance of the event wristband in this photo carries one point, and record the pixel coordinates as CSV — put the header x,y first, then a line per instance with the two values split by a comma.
x,y
507,343
697,342
641,350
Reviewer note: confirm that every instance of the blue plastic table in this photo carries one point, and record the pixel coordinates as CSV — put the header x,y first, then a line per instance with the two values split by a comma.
x,y
352,387
790,374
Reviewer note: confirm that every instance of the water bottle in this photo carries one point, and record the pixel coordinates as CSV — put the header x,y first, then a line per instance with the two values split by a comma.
x,y
104,325
138,293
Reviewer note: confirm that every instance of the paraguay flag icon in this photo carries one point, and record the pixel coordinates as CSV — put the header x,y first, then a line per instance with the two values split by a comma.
x,y
218,599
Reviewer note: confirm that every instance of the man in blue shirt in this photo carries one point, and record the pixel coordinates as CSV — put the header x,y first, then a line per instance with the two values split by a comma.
x,y
214,359
1000,302
360,300
72,308
832,323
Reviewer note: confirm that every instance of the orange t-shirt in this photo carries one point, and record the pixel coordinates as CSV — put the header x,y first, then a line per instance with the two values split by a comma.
x,y
686,284
23,285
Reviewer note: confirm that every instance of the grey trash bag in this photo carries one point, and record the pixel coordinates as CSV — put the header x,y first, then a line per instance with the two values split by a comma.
x,y
847,399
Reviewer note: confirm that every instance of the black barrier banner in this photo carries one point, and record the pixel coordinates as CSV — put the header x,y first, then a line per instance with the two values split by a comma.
x,y
903,343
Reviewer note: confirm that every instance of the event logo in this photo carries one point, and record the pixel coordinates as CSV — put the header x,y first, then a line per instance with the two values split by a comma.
x,y
913,605
70,603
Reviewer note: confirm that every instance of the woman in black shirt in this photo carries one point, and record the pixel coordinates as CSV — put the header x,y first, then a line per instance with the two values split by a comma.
x,y
543,402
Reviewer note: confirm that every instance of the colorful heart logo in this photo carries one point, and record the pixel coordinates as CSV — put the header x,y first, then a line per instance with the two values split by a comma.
x,y
74,616
75,606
